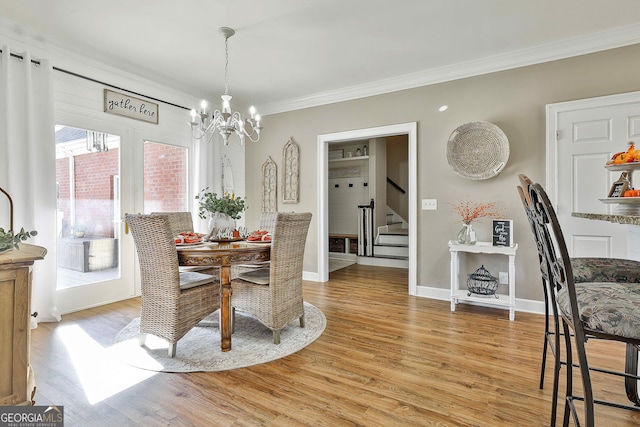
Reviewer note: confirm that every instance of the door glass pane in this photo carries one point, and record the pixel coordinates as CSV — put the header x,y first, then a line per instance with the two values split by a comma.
x,y
88,206
165,178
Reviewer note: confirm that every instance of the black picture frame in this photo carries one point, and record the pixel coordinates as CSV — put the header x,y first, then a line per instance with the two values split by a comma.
x,y
619,187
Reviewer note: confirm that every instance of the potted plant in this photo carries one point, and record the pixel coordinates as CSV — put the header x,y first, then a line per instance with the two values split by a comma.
x,y
10,240
221,211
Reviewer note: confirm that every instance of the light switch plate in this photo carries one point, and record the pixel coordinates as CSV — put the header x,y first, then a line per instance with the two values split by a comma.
x,y
429,204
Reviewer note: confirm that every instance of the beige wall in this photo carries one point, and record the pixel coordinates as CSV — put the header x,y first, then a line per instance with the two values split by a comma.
x,y
514,100
398,172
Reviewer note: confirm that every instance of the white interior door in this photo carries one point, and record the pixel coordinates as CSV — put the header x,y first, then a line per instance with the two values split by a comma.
x,y
583,135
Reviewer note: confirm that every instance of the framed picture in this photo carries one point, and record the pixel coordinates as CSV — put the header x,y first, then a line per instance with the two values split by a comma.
x,y
502,232
620,186
336,154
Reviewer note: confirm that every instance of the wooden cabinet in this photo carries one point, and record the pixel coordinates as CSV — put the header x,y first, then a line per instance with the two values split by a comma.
x,y
17,382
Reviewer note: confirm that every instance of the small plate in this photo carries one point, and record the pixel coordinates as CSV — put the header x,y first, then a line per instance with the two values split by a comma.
x,y
190,244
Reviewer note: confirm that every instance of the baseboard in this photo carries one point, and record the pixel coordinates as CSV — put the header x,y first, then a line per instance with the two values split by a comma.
x,y
444,294
340,255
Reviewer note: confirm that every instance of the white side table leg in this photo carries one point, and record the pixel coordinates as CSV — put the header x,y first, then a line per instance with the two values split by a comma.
x,y
512,287
454,279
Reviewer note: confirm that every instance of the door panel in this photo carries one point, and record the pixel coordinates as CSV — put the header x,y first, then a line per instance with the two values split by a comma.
x,y
587,137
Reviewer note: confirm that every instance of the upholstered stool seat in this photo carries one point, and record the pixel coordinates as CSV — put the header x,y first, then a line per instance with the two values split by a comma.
x,y
605,270
610,308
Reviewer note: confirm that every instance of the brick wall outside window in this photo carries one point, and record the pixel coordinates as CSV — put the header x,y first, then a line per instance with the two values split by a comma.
x,y
165,183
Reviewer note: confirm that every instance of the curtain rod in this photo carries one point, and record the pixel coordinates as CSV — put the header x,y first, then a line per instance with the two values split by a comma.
x,y
71,73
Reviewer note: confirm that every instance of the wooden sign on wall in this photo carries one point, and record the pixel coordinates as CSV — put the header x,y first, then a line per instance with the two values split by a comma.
x,y
129,106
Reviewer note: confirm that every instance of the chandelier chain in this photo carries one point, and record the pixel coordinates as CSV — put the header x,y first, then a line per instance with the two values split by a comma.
x,y
226,64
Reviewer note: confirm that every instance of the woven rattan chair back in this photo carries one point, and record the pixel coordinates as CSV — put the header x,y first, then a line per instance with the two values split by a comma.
x,y
281,300
180,222
167,310
268,221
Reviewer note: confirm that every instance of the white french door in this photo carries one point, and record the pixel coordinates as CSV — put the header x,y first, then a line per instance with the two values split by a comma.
x,y
94,262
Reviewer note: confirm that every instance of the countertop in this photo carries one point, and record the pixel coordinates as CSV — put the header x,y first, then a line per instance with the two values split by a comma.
x,y
620,219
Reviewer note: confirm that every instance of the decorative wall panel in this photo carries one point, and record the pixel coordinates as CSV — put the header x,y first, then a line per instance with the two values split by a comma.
x,y
269,186
291,177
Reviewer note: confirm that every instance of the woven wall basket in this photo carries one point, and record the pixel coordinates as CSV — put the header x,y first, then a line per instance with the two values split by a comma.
x,y
477,150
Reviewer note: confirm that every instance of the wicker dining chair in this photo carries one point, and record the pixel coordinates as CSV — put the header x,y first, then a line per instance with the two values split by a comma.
x,y
267,222
173,302
182,222
274,295
585,270
603,310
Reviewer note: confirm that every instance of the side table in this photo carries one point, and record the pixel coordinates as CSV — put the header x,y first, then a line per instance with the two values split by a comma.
x,y
502,300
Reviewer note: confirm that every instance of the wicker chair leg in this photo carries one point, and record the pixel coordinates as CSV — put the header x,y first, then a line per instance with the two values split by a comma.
x,y
141,339
172,349
276,337
302,321
233,319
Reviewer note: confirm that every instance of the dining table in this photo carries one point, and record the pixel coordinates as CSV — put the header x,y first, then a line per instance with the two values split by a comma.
x,y
224,255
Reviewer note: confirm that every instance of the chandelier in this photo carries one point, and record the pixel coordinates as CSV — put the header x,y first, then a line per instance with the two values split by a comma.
x,y
225,122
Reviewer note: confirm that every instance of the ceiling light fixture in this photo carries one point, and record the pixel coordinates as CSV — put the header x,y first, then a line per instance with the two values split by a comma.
x,y
225,122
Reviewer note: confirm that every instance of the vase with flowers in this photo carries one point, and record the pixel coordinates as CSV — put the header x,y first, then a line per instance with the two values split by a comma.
x,y
222,211
469,212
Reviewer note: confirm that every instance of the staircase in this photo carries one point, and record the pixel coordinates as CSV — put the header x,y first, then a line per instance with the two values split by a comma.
x,y
391,248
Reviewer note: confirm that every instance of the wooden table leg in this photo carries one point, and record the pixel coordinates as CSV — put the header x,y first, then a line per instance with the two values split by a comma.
x,y
225,308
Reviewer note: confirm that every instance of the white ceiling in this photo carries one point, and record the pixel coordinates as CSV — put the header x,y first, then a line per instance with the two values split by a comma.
x,y
295,53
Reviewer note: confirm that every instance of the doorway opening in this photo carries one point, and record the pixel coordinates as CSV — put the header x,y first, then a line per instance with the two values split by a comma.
x,y
340,138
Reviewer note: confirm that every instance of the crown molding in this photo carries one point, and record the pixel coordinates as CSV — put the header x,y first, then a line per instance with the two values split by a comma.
x,y
567,48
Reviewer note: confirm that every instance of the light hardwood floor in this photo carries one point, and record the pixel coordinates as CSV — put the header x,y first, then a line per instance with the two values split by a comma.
x,y
385,359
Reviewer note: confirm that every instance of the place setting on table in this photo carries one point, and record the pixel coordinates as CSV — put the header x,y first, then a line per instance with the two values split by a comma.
x,y
223,235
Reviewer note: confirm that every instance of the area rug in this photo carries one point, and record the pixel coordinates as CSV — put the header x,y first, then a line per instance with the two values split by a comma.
x,y
199,350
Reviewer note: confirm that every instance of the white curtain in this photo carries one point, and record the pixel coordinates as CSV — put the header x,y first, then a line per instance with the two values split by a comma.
x,y
207,173
27,152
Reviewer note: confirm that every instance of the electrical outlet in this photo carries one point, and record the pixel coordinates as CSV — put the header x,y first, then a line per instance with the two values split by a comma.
x,y
429,204
503,278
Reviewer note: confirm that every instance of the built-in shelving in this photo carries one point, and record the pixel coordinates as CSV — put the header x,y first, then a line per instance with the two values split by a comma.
x,y
349,159
626,205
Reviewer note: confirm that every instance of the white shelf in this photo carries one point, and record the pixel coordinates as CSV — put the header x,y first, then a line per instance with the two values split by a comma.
x,y
622,200
623,166
460,295
503,299
348,159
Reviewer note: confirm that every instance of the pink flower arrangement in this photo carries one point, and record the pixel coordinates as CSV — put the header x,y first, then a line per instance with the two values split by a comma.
x,y
470,211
